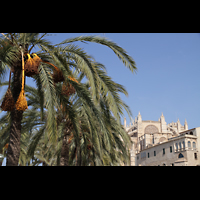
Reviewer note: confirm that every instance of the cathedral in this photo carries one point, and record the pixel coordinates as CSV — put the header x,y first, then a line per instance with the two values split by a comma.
x,y
146,133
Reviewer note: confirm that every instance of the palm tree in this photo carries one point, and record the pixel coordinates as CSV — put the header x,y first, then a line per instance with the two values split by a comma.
x,y
15,48
35,145
112,144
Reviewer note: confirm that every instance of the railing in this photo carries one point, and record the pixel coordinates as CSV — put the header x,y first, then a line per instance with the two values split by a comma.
x,y
185,149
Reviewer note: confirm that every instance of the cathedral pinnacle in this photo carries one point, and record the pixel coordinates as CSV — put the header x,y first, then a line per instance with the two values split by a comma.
x,y
139,118
162,118
186,125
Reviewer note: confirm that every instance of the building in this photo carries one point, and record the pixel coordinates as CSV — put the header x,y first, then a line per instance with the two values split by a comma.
x,y
148,134
182,150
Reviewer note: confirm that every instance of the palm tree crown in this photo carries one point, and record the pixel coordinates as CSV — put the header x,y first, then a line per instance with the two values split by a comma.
x,y
90,111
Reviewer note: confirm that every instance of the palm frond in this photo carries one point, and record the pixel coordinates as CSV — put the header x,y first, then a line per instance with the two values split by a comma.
x,y
34,141
119,51
40,94
49,99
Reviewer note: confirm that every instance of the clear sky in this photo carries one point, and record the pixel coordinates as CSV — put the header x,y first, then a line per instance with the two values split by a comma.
x,y
168,73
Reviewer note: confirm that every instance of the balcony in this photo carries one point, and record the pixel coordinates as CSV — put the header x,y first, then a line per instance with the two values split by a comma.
x,y
185,149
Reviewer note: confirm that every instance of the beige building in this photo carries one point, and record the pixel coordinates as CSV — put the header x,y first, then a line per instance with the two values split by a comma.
x,y
149,138
182,150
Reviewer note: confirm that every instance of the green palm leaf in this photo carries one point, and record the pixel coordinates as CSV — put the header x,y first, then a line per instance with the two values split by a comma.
x,y
120,52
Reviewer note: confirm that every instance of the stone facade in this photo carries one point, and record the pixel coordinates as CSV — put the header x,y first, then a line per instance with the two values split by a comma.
x,y
147,134
182,150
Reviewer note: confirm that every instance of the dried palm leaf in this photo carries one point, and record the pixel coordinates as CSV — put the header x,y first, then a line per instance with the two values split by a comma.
x,y
6,146
69,89
8,103
21,103
57,73
36,59
31,66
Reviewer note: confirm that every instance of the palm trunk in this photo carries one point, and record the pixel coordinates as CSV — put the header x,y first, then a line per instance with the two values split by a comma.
x,y
13,151
64,159
79,160
64,156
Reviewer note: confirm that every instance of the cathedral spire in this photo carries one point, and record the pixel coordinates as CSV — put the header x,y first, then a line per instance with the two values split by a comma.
x,y
178,126
163,124
162,118
186,125
139,117
135,119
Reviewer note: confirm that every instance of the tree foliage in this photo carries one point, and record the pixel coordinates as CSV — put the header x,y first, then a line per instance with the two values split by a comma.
x,y
90,117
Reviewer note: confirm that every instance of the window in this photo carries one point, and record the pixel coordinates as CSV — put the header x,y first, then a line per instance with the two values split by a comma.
x,y
135,135
194,145
189,144
180,155
154,153
180,145
176,146
143,155
191,133
148,155
170,149
163,151
195,156
183,144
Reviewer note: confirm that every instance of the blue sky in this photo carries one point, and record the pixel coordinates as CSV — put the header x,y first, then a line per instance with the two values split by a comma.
x,y
168,73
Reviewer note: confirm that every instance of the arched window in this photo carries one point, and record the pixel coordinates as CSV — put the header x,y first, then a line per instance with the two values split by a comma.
x,y
189,144
180,155
191,133
180,145
183,144
176,146
151,129
194,145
